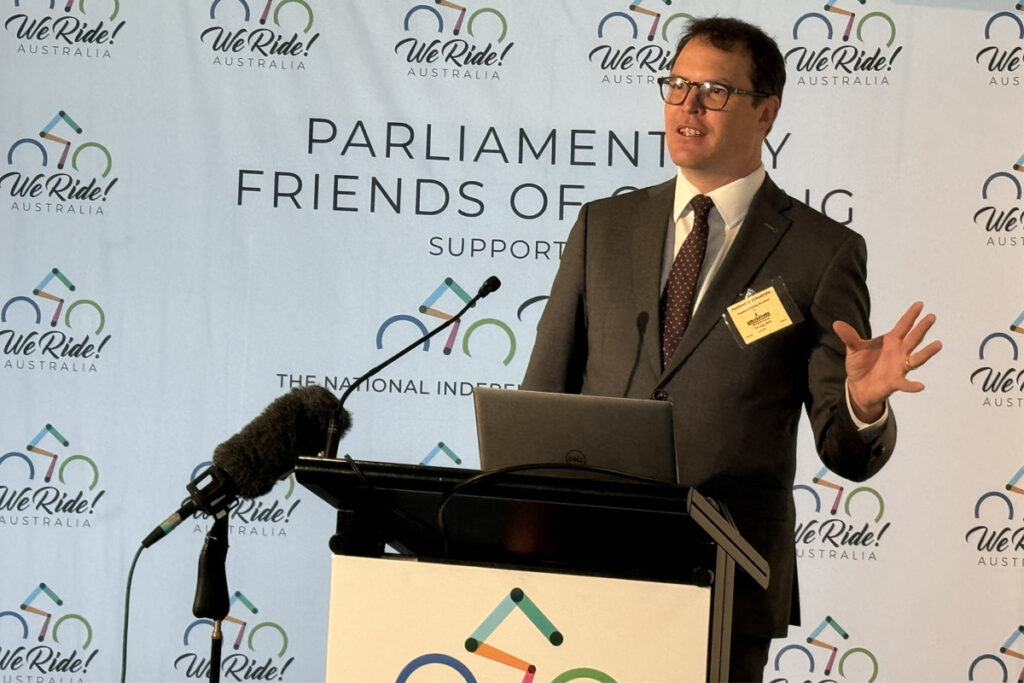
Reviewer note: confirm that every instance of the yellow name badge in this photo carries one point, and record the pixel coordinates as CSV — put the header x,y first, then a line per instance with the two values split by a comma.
x,y
759,315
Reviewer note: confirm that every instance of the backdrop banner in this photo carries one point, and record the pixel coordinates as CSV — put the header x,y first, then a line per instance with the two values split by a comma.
x,y
206,203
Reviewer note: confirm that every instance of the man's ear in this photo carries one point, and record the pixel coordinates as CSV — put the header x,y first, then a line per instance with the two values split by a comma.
x,y
769,112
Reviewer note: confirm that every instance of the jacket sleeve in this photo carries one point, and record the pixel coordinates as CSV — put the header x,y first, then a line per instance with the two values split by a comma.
x,y
842,294
559,358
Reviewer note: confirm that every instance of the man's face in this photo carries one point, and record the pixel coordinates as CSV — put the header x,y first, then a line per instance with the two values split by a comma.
x,y
716,147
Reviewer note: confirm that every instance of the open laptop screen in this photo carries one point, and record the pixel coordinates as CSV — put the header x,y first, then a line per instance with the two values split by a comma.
x,y
528,427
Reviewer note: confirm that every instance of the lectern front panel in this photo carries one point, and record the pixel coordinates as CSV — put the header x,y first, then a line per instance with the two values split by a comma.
x,y
405,620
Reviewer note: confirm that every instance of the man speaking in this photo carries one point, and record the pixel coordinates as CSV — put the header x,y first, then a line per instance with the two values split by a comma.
x,y
719,293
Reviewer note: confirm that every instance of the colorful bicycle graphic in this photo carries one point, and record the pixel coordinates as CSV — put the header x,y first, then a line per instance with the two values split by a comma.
x,y
41,292
1019,167
441,447
65,145
831,7
815,640
427,307
820,480
476,644
35,448
635,28
1015,18
81,6
44,591
243,626
1011,486
461,9
999,663
266,11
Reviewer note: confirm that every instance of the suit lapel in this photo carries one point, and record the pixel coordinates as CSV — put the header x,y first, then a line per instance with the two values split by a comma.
x,y
762,229
648,237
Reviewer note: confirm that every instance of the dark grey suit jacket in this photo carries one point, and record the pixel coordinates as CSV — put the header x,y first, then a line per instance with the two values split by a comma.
x,y
735,409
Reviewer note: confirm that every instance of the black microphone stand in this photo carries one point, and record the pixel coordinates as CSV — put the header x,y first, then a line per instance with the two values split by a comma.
x,y
211,601
334,426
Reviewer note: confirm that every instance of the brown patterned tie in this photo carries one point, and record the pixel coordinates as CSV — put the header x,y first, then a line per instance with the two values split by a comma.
x,y
681,287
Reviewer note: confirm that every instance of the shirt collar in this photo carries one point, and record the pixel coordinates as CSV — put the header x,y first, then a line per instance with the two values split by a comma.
x,y
732,200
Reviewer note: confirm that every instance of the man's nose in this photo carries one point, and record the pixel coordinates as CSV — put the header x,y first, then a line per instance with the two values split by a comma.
x,y
691,101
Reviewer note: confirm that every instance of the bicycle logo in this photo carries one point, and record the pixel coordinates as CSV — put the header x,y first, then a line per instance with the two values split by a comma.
x,y
831,7
635,28
1006,15
46,134
815,640
1019,167
266,11
441,447
820,480
461,17
40,291
427,307
476,644
1017,326
34,447
81,6
46,592
1010,486
238,596
1005,649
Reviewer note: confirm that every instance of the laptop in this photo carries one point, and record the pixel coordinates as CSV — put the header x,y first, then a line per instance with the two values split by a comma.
x,y
527,427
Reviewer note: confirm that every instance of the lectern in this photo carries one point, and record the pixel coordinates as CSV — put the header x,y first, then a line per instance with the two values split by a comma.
x,y
647,544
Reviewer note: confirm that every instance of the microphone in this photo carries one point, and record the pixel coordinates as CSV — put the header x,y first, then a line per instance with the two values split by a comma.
x,y
642,319
250,462
335,428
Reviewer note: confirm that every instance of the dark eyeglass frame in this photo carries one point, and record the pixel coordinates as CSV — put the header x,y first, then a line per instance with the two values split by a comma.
x,y
668,83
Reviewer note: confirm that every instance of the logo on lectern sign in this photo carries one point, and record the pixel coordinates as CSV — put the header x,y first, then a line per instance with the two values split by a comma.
x,y
65,29
635,41
41,639
1000,218
476,644
48,485
58,171
822,655
51,328
845,44
458,41
1001,57
1006,664
838,521
997,526
276,35
267,516
999,379
254,648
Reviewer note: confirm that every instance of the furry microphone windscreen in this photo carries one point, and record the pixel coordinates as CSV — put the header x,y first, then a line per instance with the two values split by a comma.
x,y
267,448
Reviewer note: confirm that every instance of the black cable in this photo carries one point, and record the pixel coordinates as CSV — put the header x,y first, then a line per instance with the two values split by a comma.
x,y
127,602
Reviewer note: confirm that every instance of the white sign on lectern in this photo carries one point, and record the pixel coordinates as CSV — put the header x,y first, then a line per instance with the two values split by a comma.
x,y
406,620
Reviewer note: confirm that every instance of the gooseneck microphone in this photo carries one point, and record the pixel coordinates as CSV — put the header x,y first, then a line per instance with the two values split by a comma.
x,y
249,463
642,319
338,423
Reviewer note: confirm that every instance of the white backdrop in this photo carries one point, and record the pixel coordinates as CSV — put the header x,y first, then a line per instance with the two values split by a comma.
x,y
201,211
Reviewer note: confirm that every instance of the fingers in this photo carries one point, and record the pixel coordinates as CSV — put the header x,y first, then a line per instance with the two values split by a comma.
x,y
906,321
848,335
911,387
919,358
917,335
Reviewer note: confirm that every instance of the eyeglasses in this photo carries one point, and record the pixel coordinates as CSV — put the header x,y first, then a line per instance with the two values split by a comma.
x,y
710,95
